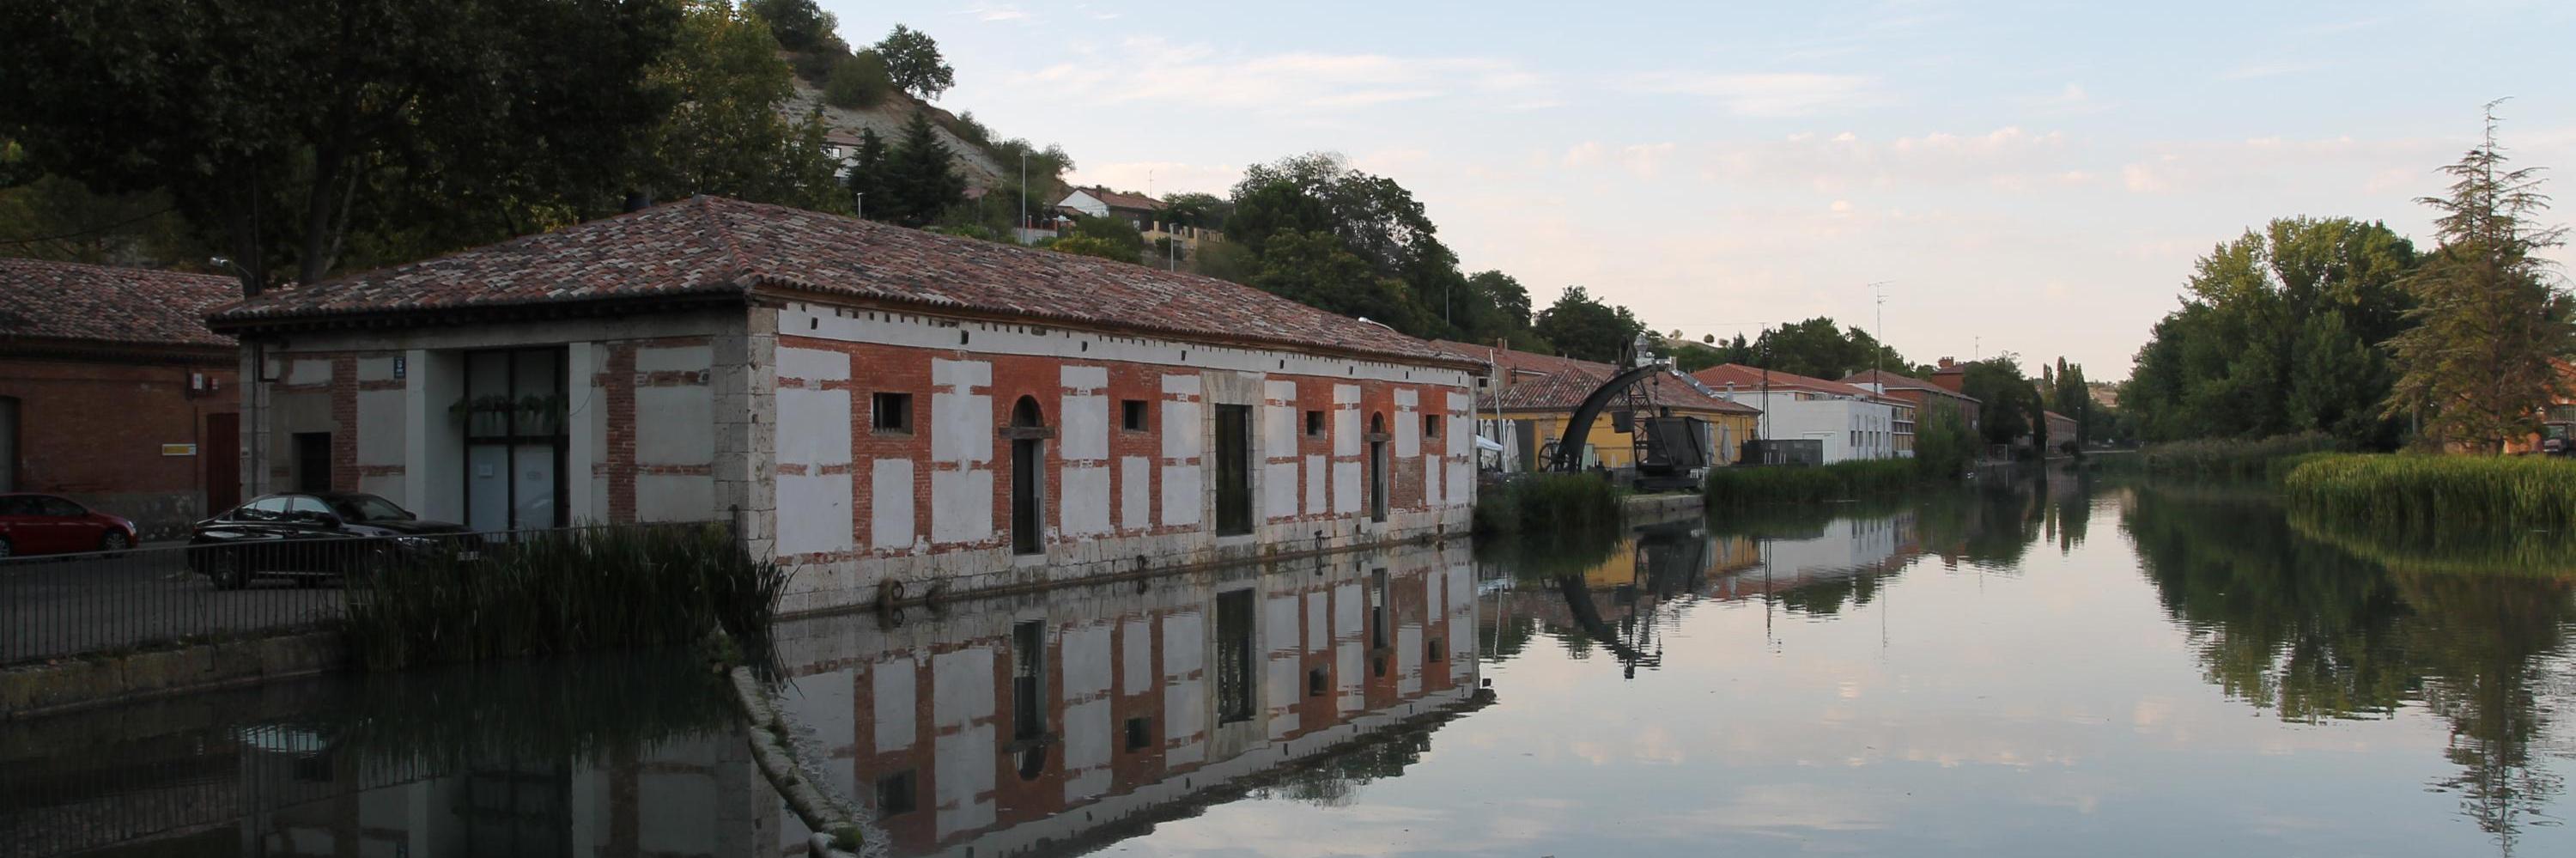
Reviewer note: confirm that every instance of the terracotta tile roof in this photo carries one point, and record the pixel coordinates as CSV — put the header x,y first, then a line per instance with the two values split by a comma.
x,y
1898,382
718,247
1550,383
1122,199
99,303
1752,378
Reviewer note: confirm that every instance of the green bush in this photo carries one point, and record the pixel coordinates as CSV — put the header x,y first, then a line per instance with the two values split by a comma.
x,y
2231,457
1548,502
2429,492
564,592
1742,485
857,80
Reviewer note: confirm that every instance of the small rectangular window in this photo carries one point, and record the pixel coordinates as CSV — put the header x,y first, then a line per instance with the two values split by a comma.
x,y
895,793
1140,733
891,412
1431,426
1132,414
1314,424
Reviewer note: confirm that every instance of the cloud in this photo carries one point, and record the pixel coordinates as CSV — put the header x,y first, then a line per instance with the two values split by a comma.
x,y
2009,158
1152,69
1762,93
1001,12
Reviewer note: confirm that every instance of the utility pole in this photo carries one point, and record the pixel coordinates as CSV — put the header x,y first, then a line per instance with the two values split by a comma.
x,y
859,204
1024,198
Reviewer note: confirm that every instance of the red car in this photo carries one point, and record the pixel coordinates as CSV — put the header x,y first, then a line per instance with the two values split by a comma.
x,y
45,524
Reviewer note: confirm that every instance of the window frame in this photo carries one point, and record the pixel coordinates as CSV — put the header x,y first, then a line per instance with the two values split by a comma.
x,y
877,411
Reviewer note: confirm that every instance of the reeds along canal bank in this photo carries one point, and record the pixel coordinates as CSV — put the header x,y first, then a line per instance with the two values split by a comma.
x,y
2431,492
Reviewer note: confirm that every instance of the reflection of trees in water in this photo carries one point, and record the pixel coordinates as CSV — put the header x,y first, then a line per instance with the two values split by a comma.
x,y
2316,632
1332,781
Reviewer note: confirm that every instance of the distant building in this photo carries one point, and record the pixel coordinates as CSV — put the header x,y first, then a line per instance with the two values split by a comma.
x,y
1137,210
1527,400
2061,430
113,393
1925,396
1846,421
865,402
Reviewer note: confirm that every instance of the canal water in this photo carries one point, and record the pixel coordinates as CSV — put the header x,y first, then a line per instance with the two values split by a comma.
x,y
2039,667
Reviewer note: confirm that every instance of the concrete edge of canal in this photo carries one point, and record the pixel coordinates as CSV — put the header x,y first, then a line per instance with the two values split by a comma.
x,y
75,684
1661,504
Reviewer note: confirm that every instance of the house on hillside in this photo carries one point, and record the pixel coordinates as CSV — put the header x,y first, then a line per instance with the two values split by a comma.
x,y
114,394
1526,401
1925,396
1838,422
866,403
1137,210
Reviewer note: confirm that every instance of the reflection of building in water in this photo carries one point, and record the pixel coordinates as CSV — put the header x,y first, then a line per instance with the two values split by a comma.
x,y
1845,549
310,769
1018,724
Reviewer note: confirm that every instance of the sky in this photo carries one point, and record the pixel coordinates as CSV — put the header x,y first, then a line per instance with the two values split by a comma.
x,y
2034,178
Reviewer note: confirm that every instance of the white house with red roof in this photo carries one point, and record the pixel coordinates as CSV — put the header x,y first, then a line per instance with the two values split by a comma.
x,y
1842,422
869,403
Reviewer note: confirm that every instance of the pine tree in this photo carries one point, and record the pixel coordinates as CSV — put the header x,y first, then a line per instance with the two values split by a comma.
x,y
868,176
921,176
2492,324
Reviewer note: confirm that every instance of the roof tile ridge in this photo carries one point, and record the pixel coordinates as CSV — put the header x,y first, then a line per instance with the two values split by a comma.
x,y
724,237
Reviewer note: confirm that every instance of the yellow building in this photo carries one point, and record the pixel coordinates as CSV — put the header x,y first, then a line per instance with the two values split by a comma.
x,y
1527,402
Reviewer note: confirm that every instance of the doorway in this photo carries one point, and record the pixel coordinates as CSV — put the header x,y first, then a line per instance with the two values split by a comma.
x,y
1377,463
1028,477
222,452
312,461
1233,470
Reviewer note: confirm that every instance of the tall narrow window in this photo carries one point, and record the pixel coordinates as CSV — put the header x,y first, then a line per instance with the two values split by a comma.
x,y
1028,477
1233,470
1234,656
1028,670
1377,464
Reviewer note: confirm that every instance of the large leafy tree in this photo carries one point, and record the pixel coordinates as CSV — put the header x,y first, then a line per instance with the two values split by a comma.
x,y
2280,331
799,25
1583,327
2492,323
2009,405
912,59
725,133
1817,347
276,124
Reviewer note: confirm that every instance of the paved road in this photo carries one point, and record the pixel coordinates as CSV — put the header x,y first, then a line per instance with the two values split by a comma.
x,y
89,603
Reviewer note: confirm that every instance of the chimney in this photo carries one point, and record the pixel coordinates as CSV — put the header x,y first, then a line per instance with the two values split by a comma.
x,y
1946,363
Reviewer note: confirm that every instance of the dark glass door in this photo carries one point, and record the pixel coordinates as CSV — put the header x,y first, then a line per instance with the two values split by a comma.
x,y
1233,470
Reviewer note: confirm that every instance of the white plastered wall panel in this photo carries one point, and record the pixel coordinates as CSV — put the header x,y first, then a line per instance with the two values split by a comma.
x,y
961,451
1346,449
1184,438
814,513
1279,465
1083,452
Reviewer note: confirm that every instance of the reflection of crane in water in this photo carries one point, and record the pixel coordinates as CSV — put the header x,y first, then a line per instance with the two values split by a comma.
x,y
1668,561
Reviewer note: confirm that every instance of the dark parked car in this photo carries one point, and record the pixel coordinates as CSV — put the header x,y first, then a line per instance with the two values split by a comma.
x,y
309,537
45,524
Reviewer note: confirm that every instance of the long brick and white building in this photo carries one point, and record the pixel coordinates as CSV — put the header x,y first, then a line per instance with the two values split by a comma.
x,y
867,402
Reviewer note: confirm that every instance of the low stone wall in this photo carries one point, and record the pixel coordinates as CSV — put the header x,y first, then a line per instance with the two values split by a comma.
x,y
1637,506
73,684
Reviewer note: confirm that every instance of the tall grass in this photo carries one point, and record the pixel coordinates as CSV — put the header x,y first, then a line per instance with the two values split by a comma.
x,y
563,592
1739,486
2410,491
1547,502
2231,457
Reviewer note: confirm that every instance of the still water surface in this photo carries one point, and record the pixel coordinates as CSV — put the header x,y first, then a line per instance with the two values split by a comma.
x,y
2042,667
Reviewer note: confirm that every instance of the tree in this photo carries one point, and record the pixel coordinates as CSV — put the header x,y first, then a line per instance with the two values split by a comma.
x,y
264,121
912,59
1205,211
858,80
1710,339
2492,325
1817,347
1942,446
1114,233
869,174
920,176
2008,403
727,133
2242,357
1588,329
798,25
1313,268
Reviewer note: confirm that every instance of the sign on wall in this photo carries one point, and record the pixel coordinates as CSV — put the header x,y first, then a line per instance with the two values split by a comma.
x,y
178,449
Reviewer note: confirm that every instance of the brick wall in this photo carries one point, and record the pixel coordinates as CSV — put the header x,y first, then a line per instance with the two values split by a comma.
x,y
93,430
